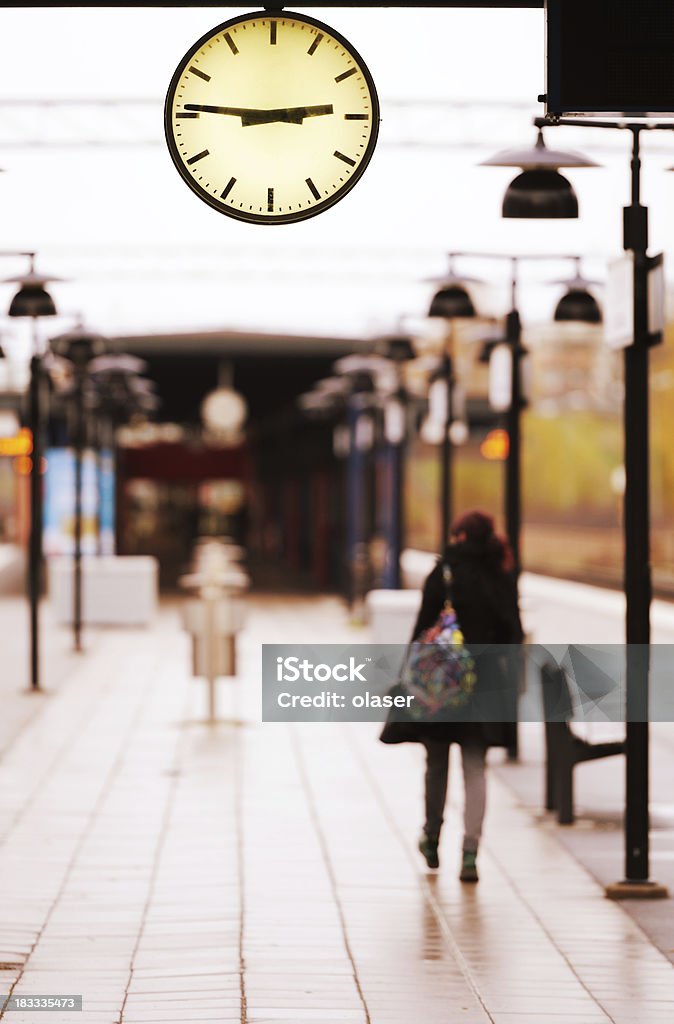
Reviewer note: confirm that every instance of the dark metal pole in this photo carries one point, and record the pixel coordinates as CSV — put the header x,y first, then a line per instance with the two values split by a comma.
x,y
77,562
446,453
35,536
637,541
355,502
397,464
513,466
380,514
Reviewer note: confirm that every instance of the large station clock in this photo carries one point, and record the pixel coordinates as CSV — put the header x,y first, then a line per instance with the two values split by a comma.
x,y
271,117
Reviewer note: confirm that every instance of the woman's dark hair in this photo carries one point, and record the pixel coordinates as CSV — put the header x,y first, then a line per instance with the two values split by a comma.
x,y
478,528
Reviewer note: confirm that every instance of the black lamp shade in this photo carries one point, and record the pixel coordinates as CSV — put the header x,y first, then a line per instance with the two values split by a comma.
x,y
540,193
399,349
32,300
578,306
451,301
79,346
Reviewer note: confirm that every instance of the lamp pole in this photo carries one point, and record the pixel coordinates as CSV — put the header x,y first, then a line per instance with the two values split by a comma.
x,y
361,437
513,466
446,450
636,530
79,441
637,539
79,347
513,420
395,432
396,350
35,536
32,301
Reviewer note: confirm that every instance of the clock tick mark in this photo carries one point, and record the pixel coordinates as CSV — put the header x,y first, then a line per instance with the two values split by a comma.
x,y
316,43
198,156
199,74
231,44
356,117
189,113
346,159
270,200
272,33
346,74
312,188
228,188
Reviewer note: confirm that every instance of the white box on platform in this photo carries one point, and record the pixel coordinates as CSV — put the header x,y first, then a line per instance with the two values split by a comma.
x,y
117,590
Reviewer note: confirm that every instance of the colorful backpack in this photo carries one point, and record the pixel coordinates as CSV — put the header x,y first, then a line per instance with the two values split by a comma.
x,y
439,671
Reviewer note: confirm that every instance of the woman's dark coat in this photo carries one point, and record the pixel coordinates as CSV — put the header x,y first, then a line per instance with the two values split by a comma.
x,y
484,597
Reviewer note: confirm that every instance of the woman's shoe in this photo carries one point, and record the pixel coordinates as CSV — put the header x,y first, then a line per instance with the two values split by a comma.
x,y
429,849
469,867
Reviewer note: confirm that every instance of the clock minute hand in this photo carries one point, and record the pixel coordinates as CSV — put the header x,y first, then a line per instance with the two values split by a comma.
x,y
205,108
252,115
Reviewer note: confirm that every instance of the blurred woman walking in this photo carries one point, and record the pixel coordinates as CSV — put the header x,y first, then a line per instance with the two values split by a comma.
x,y
476,567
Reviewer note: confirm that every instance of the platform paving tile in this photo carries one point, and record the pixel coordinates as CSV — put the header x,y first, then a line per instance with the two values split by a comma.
x,y
105,1017
550,1018
343,1016
195,1011
174,872
185,988
222,1018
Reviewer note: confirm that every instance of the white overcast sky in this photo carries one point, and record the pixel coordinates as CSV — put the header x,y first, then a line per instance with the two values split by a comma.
x,y
143,253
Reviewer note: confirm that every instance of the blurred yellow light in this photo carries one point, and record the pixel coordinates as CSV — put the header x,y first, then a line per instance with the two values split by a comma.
x,y
19,444
495,446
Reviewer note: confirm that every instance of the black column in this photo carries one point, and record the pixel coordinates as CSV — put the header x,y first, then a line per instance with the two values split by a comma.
x,y
513,482
79,452
446,453
637,543
397,464
513,470
35,537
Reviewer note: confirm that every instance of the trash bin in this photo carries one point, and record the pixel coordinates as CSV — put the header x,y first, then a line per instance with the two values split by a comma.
x,y
215,615
213,623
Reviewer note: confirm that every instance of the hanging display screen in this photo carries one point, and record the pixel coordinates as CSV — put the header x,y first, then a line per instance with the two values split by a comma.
x,y
610,57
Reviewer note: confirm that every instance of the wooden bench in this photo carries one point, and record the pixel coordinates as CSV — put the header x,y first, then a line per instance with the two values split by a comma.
x,y
564,750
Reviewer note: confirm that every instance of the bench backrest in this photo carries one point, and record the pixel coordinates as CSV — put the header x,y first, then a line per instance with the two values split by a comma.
x,y
556,695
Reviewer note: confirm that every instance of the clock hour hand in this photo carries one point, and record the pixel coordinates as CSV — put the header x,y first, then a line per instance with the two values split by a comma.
x,y
295,115
253,115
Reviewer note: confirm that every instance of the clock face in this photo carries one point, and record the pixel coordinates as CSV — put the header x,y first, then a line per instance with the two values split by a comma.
x,y
271,118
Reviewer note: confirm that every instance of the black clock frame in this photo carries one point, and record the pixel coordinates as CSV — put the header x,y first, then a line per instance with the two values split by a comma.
x,y
243,215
